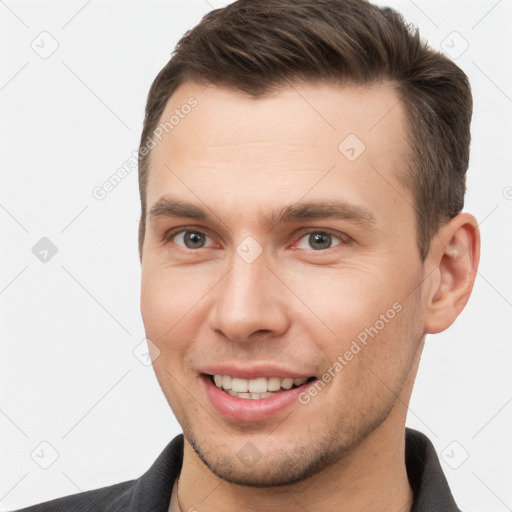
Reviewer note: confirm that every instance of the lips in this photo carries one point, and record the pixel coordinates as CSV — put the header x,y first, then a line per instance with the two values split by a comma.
x,y
251,406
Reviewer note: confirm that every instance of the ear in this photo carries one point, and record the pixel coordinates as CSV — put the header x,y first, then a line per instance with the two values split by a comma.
x,y
452,265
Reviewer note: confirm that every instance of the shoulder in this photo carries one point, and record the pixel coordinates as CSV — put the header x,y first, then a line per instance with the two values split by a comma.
x,y
152,491
113,498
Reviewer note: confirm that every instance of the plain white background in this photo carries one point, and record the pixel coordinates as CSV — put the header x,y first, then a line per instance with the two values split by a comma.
x,y
69,377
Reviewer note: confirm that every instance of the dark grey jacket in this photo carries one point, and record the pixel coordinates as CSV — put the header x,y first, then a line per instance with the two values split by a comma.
x,y
152,491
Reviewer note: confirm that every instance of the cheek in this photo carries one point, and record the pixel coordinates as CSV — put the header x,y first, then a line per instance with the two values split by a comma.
x,y
167,327
161,307
367,311
170,301
346,299
152,303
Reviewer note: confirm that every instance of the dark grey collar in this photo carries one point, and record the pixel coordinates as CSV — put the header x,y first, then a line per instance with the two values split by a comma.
x,y
431,490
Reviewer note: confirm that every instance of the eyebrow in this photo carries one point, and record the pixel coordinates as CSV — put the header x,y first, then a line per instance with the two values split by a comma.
x,y
169,207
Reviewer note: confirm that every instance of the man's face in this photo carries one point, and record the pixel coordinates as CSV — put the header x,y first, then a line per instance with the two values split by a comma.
x,y
232,294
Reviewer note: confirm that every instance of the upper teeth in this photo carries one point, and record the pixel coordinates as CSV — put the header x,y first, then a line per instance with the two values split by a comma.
x,y
259,385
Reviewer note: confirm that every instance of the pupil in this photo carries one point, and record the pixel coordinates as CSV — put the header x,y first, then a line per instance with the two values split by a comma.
x,y
194,239
323,239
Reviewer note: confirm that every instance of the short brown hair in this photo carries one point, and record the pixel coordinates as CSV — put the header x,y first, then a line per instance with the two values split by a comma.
x,y
257,46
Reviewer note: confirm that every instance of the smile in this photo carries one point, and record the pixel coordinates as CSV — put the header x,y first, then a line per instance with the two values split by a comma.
x,y
252,400
256,389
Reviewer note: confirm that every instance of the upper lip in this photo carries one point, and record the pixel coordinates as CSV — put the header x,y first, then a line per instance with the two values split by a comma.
x,y
252,372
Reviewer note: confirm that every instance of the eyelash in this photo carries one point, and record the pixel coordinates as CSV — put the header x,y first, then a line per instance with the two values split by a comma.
x,y
169,235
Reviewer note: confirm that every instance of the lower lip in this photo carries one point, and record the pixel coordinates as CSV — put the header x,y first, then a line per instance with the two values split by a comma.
x,y
247,409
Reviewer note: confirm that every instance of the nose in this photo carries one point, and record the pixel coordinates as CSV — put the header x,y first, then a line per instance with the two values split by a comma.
x,y
250,303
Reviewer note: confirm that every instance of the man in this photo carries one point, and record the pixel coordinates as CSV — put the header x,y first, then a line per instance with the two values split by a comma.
x,y
302,176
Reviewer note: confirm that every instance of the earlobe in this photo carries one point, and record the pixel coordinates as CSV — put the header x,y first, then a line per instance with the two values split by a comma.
x,y
455,255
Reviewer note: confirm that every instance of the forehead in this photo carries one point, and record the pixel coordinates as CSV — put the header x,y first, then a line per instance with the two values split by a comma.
x,y
300,140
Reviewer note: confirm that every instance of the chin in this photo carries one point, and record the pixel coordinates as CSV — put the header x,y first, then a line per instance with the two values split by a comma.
x,y
250,467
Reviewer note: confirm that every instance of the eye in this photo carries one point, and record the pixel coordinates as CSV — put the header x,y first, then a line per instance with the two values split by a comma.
x,y
189,239
319,240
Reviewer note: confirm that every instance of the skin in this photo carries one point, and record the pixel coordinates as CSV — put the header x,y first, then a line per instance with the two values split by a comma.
x,y
296,305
